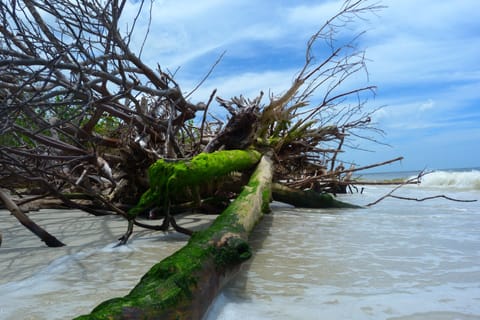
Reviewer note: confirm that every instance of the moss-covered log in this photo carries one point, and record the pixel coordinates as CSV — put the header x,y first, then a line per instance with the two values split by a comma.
x,y
307,198
169,178
183,285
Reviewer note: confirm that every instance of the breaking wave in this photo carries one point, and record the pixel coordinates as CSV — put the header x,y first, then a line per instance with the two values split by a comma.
x,y
452,179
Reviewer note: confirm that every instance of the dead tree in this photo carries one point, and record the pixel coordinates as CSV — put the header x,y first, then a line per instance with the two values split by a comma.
x,y
81,115
308,125
79,110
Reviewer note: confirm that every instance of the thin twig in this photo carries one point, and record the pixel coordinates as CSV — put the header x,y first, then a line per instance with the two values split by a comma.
x,y
207,75
431,197
202,127
417,178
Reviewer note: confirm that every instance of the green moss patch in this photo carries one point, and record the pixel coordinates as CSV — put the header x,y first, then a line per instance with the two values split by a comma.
x,y
168,178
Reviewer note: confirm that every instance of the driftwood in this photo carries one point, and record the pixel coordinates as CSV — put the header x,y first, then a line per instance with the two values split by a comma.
x,y
431,198
307,199
46,237
415,180
78,116
183,285
340,176
378,183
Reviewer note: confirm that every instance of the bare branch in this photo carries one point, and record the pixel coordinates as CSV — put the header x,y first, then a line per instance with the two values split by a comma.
x,y
416,180
430,198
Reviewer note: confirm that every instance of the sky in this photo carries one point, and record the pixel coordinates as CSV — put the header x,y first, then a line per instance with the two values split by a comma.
x,y
423,55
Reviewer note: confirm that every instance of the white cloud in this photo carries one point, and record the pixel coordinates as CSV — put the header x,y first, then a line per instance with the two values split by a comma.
x,y
428,41
183,31
248,84
440,19
312,15
429,104
424,54
446,110
409,59
425,46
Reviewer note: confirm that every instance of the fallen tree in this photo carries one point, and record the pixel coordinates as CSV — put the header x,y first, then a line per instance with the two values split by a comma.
x,y
180,180
85,121
183,285
83,118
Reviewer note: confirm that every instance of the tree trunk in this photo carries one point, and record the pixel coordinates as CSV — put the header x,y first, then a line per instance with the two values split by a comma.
x,y
307,199
46,237
183,285
170,180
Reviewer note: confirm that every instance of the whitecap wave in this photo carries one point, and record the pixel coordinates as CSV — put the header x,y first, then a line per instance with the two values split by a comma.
x,y
452,179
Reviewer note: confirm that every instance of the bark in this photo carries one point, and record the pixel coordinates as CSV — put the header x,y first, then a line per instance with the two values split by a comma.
x,y
46,237
239,132
183,285
307,198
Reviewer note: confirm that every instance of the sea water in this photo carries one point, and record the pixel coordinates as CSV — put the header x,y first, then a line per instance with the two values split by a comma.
x,y
399,259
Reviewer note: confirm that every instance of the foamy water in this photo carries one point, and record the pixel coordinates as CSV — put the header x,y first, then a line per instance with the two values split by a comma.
x,y
452,179
397,260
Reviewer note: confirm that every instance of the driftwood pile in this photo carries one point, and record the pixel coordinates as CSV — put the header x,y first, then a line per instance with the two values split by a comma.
x,y
82,117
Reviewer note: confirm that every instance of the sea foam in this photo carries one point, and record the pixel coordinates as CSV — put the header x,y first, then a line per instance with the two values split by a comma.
x,y
452,179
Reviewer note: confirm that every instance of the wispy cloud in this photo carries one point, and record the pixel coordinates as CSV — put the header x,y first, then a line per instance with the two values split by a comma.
x,y
424,57
248,84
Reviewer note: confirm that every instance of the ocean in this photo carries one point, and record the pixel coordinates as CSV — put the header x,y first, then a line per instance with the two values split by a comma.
x,y
399,259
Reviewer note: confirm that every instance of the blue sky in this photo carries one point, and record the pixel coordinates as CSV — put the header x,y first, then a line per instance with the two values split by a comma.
x,y
423,56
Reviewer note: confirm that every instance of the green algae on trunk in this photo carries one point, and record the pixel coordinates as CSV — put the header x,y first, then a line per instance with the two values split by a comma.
x,y
170,177
183,285
307,198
